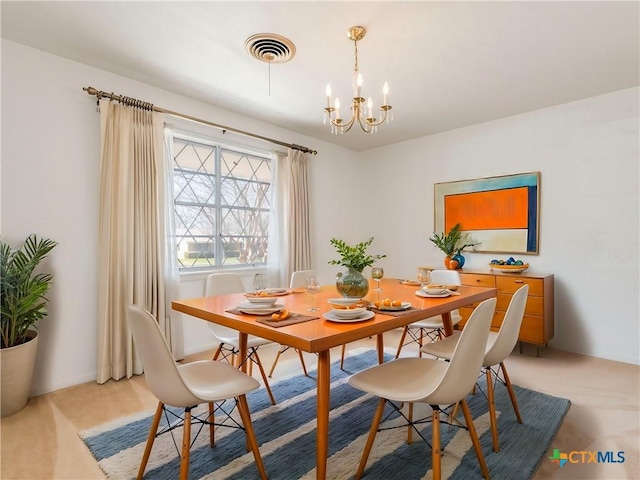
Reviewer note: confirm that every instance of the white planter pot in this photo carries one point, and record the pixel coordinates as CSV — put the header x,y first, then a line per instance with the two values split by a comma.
x,y
17,370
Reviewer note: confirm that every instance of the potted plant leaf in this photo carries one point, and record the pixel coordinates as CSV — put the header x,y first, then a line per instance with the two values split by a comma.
x,y
23,304
451,244
353,284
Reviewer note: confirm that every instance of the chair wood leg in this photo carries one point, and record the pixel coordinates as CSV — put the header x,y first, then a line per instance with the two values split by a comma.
x,y
304,367
186,444
212,429
474,438
152,436
217,353
264,376
404,334
275,362
243,409
372,435
436,454
344,350
420,342
454,412
492,410
512,393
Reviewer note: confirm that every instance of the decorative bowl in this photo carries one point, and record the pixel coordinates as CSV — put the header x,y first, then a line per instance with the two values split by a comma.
x,y
509,268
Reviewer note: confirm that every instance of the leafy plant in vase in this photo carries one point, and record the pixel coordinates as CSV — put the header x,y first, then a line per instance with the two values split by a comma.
x,y
451,244
23,304
353,284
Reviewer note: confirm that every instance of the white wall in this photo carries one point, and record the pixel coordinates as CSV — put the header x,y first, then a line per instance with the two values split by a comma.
x,y
50,186
587,153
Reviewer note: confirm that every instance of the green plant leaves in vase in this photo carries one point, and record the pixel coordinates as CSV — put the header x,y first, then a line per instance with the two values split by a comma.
x,y
355,257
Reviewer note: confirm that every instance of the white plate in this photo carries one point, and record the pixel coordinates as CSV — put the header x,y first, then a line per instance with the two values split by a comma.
x,y
253,310
391,308
264,301
270,292
277,291
332,317
422,293
343,302
345,313
434,291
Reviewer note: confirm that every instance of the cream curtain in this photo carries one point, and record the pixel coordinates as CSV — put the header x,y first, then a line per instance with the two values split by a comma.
x,y
290,217
132,232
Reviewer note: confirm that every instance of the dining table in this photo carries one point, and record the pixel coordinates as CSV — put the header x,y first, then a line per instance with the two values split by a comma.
x,y
318,334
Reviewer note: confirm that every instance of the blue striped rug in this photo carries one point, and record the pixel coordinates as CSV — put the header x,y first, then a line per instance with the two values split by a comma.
x,y
286,434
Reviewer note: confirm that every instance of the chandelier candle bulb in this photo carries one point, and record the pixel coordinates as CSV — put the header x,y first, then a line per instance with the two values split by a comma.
x,y
328,91
370,107
337,107
385,92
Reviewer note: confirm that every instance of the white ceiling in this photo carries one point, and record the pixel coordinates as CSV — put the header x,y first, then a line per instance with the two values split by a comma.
x,y
448,64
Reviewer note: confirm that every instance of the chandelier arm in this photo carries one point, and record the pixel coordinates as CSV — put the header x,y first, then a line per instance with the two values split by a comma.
x,y
372,121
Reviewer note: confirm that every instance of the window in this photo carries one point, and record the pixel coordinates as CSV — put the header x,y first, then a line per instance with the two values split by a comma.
x,y
222,201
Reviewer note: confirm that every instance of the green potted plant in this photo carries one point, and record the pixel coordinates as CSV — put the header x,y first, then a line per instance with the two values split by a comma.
x,y
353,284
451,244
23,304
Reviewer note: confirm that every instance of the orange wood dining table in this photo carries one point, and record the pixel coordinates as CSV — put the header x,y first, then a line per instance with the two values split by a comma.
x,y
320,335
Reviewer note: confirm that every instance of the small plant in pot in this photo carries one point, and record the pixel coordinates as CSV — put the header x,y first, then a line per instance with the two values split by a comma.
x,y
23,304
353,284
451,244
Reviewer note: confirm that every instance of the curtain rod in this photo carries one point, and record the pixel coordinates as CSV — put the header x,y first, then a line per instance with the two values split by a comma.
x,y
150,106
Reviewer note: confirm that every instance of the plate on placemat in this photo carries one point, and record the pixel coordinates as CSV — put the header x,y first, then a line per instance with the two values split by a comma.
x,y
392,308
259,310
366,315
269,292
422,293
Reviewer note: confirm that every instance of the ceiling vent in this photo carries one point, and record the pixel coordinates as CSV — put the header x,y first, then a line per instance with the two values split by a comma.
x,y
270,48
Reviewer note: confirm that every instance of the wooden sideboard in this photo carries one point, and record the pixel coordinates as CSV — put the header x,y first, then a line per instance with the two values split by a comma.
x,y
537,324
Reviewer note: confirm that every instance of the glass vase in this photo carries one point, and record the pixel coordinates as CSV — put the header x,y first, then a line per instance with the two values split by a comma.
x,y
352,284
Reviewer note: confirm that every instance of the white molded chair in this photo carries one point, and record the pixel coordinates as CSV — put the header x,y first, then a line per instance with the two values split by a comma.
x,y
298,279
430,381
186,386
432,327
499,347
222,284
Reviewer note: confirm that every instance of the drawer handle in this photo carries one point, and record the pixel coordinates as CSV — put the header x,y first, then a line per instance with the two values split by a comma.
x,y
518,281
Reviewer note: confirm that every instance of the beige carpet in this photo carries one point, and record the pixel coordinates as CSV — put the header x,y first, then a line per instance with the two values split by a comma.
x,y
42,442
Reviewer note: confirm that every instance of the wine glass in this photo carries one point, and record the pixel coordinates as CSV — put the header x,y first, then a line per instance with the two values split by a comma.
x,y
377,273
424,276
259,282
313,287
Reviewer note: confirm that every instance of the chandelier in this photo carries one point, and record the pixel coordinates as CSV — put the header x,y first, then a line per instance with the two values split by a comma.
x,y
360,113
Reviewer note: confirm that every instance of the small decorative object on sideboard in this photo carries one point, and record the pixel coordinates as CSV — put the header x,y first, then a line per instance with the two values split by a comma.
x,y
509,265
452,244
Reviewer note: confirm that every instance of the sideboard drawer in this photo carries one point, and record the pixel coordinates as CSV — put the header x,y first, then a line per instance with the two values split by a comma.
x,y
534,305
511,285
478,280
538,323
532,330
